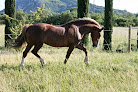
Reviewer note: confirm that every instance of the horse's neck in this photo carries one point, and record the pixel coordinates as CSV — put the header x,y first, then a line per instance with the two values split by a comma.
x,y
84,30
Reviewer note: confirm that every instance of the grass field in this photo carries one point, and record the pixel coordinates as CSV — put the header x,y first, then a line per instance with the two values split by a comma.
x,y
2,27
107,71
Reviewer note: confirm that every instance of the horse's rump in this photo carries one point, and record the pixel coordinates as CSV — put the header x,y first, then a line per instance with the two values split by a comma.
x,y
56,36
21,39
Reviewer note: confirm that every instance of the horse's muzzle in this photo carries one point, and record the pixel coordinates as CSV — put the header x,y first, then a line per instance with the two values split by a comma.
x,y
95,44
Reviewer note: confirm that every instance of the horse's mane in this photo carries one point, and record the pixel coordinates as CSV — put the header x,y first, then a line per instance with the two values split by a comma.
x,y
84,19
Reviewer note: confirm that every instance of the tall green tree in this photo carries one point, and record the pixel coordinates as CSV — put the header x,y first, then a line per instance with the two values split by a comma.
x,y
10,9
108,24
83,11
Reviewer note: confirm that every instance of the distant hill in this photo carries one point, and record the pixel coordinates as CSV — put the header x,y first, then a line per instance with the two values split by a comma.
x,y
57,6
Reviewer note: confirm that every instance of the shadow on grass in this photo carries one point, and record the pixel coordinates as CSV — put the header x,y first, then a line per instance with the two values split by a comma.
x,y
4,67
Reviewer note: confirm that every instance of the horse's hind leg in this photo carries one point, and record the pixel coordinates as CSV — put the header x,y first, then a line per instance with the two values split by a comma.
x,y
25,53
84,49
35,50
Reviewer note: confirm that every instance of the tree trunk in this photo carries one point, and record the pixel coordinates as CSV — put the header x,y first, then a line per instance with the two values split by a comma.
x,y
108,24
83,11
10,9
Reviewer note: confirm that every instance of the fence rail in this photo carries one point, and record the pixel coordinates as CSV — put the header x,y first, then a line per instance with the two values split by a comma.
x,y
129,37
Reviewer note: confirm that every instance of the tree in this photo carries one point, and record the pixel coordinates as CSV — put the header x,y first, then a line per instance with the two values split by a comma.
x,y
83,11
108,24
10,9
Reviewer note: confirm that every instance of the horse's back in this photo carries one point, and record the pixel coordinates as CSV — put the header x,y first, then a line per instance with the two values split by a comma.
x,y
46,33
35,33
56,36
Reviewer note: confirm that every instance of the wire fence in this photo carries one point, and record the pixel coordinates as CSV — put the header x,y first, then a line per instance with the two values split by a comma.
x,y
123,39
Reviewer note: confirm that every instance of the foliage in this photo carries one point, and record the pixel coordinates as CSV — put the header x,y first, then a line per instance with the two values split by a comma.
x,y
108,24
83,11
10,10
20,15
46,16
125,20
36,15
20,21
99,17
58,19
2,18
14,29
83,8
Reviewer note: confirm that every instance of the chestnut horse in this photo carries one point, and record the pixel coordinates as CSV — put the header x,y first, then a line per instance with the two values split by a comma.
x,y
66,35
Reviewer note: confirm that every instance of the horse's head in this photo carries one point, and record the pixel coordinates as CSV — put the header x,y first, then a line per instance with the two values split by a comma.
x,y
95,35
88,25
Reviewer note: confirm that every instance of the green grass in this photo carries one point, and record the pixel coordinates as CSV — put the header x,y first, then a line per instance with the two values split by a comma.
x,y
2,27
107,71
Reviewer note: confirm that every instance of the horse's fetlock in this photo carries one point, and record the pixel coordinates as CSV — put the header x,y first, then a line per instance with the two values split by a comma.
x,y
42,61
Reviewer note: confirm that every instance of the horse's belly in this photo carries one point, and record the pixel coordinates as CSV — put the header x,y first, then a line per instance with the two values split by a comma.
x,y
57,42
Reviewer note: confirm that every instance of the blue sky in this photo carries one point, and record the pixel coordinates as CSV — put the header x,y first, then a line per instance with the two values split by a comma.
x,y
129,5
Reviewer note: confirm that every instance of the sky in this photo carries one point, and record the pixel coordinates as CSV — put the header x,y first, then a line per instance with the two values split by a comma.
x,y
129,5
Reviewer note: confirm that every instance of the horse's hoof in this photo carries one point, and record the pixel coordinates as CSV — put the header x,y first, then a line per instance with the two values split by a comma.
x,y
86,59
21,65
87,64
43,65
42,62
65,61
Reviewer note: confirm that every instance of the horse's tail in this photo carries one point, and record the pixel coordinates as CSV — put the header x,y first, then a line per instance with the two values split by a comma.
x,y
21,39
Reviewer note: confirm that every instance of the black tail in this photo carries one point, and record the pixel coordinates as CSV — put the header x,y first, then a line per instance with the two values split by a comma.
x,y
19,42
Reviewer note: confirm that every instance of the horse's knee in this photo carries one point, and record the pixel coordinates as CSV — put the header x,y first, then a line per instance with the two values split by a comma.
x,y
33,52
24,54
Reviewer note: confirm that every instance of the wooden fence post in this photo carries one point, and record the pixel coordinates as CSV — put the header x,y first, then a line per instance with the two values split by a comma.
x,y
129,39
137,39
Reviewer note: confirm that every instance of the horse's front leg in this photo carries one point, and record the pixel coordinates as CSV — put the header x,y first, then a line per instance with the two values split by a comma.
x,y
71,48
86,56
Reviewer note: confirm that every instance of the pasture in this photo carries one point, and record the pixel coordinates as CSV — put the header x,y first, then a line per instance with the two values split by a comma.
x,y
107,71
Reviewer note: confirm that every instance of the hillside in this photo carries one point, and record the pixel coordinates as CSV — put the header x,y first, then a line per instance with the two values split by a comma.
x,y
57,6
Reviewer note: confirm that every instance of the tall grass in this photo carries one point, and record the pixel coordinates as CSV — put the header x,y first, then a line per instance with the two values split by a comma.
x,y
107,71
112,72
2,27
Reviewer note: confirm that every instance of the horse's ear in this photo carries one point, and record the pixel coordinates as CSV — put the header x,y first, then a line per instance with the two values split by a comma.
x,y
101,29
